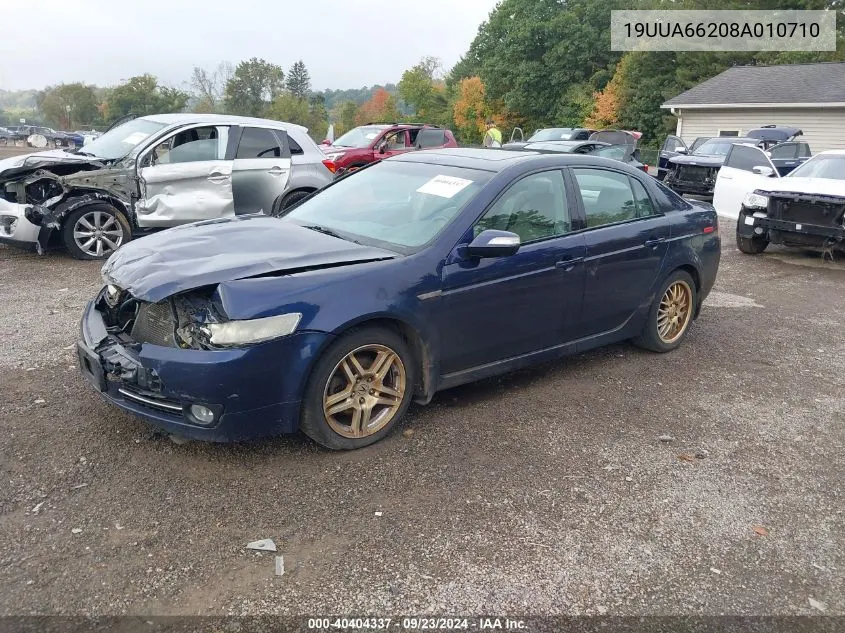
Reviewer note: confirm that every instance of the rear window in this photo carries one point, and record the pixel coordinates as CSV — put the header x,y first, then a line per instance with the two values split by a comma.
x,y
430,138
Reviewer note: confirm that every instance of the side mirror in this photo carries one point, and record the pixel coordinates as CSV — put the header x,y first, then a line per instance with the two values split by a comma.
x,y
492,243
681,150
382,148
769,154
763,170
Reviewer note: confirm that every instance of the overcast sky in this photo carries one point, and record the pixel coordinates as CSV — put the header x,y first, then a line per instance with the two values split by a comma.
x,y
344,43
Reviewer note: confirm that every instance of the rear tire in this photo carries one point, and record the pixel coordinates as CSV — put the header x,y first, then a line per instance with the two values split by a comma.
x,y
670,315
751,245
288,201
94,224
359,389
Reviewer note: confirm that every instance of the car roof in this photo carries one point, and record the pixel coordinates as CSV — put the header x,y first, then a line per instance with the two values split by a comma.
x,y
548,145
497,160
832,152
185,118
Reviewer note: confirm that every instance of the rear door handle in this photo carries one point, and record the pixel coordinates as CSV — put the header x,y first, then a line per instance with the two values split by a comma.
x,y
569,264
723,177
217,177
276,171
654,241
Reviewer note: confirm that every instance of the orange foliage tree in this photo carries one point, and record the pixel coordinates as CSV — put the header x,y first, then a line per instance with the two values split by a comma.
x,y
381,108
471,110
608,102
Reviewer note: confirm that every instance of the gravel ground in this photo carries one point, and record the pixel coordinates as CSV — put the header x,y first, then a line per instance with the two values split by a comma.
x,y
544,492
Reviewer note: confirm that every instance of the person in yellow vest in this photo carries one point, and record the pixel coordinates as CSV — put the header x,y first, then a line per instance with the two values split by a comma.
x,y
493,137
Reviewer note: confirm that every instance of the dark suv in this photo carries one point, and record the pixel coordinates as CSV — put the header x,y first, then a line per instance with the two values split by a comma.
x,y
373,142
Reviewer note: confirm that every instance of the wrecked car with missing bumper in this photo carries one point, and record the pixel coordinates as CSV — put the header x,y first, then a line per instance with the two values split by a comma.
x,y
419,273
151,173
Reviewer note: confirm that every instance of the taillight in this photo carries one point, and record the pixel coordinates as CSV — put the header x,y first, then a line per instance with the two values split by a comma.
x,y
330,165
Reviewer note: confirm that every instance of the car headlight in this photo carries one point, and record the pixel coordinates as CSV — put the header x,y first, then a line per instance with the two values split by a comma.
x,y
333,156
245,332
755,201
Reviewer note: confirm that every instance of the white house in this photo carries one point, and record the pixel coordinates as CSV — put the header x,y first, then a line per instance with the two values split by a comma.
x,y
807,96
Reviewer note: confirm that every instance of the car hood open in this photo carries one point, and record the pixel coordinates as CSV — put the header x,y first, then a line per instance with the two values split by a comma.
x,y
195,255
702,161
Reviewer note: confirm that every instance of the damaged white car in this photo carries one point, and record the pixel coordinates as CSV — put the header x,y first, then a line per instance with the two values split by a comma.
x,y
155,172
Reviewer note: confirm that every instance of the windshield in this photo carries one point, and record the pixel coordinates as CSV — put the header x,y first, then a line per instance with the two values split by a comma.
x,y
831,166
395,205
552,134
118,142
360,136
714,148
616,152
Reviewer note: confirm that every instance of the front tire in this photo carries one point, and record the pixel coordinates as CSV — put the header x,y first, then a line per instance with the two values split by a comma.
x,y
751,245
283,204
670,315
359,389
95,231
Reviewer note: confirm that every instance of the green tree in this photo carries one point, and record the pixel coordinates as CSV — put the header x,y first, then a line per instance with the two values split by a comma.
x,y
69,106
254,84
143,95
344,115
298,82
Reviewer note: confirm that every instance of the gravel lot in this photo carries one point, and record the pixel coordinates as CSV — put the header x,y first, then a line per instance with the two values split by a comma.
x,y
544,492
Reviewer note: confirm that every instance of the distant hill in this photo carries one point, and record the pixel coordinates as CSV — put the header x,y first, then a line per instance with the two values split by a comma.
x,y
17,99
333,98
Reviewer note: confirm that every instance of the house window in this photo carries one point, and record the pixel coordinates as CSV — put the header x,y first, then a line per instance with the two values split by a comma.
x,y
728,132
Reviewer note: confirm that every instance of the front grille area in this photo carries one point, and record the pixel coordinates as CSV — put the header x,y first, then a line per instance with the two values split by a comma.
x,y
693,172
154,324
807,212
150,400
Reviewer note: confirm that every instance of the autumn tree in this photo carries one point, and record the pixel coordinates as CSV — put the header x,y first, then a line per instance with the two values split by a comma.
x,y
470,110
605,113
298,82
381,108
253,85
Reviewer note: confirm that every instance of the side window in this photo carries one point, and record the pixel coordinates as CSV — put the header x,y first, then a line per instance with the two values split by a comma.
x,y
430,138
294,146
607,196
804,150
746,158
645,207
257,142
533,207
187,146
787,150
395,141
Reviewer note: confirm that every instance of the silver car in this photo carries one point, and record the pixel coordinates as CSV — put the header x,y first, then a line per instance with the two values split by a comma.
x,y
155,172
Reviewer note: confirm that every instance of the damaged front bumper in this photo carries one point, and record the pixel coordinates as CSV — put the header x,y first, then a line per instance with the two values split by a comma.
x,y
16,228
253,392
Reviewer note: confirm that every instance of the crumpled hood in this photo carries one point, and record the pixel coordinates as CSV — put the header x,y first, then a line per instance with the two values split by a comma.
x,y
195,255
819,186
702,161
38,160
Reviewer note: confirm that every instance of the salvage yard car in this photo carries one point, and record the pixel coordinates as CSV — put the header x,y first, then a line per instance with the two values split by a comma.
x,y
695,173
373,142
805,208
156,172
421,272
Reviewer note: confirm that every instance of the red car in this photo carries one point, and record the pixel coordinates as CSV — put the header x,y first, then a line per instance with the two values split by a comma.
x,y
375,141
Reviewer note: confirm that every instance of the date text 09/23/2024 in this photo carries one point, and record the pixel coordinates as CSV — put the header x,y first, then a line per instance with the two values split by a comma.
x,y
409,623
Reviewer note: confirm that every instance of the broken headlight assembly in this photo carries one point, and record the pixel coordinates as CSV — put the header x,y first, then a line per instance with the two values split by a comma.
x,y
755,201
249,331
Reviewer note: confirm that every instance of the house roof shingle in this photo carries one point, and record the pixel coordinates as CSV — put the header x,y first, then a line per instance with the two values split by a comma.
x,y
792,83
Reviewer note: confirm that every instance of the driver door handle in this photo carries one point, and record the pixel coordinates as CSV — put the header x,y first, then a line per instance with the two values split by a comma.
x,y
216,176
723,177
569,264
654,242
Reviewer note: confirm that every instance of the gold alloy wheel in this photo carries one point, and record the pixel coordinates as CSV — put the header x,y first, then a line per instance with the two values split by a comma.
x,y
364,391
674,312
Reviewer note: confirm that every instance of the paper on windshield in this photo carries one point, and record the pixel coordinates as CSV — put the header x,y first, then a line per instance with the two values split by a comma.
x,y
444,186
135,138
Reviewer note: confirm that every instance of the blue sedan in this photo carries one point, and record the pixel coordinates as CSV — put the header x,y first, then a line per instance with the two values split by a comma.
x,y
416,274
